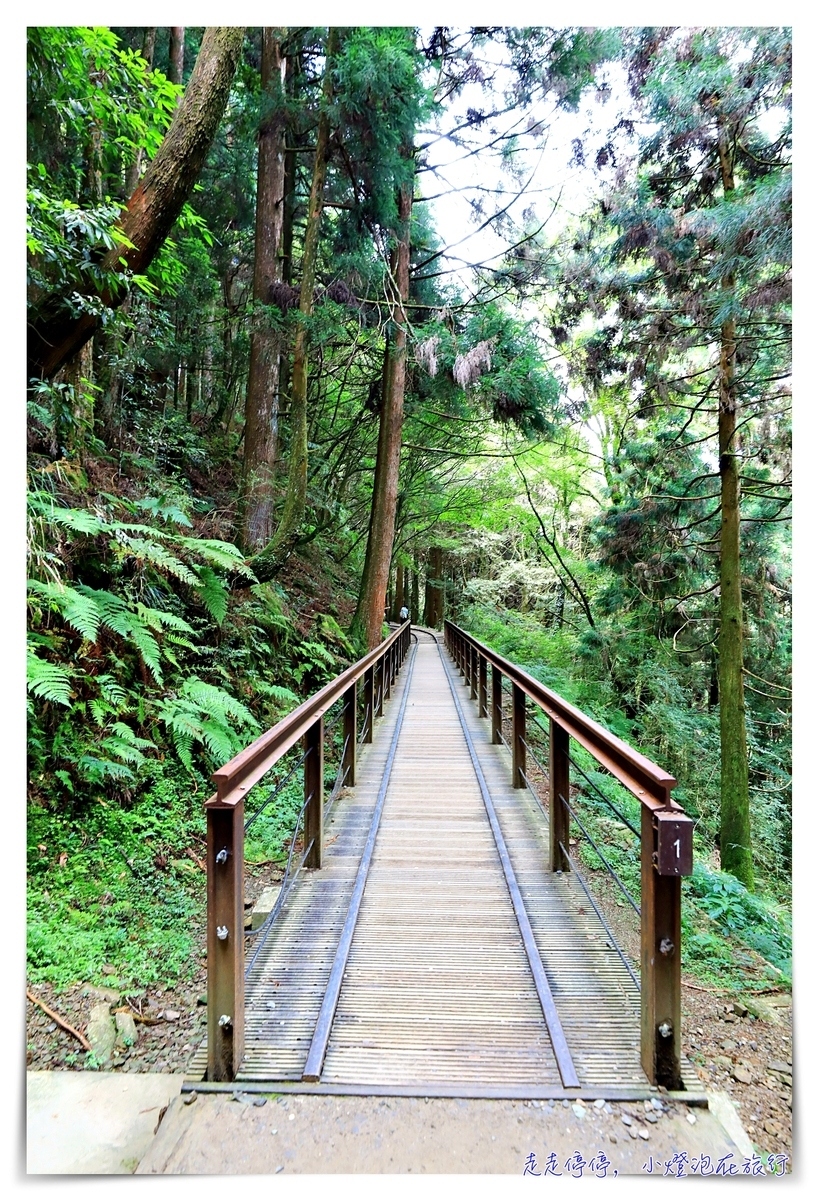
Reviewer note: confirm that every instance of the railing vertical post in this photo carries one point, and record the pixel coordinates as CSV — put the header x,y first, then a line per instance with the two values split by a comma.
x,y
314,793
496,704
661,982
350,734
225,941
467,665
558,784
517,736
393,663
482,707
474,671
369,703
387,673
379,687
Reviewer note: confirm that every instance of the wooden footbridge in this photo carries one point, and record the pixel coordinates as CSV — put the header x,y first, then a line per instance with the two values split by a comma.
x,y
434,934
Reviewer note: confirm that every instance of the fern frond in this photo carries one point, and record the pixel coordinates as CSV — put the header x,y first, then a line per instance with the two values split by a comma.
x,y
147,647
212,593
97,769
218,740
77,610
114,612
217,704
157,618
121,730
158,556
47,680
113,692
218,554
79,520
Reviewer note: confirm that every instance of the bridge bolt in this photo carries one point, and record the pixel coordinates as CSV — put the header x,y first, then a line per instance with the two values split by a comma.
x,y
666,946
222,857
225,1022
666,1029
221,933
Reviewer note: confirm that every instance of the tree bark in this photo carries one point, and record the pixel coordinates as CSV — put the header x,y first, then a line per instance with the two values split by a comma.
x,y
135,169
433,614
262,402
368,619
176,54
295,503
155,203
735,835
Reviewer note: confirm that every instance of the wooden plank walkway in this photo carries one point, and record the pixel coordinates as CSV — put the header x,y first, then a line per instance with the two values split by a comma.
x,y
438,996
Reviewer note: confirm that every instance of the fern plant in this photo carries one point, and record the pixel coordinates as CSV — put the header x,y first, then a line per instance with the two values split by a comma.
x,y
204,714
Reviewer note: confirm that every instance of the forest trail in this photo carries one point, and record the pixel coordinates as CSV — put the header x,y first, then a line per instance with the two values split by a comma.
x,y
438,993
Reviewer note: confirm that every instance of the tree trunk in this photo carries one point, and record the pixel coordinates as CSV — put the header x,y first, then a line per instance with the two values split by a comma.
x,y
156,202
433,615
176,55
400,592
262,403
735,837
296,500
135,169
415,605
368,619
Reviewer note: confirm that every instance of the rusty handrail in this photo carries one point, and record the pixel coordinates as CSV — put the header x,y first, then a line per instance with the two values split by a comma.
x,y
225,829
235,779
648,782
666,835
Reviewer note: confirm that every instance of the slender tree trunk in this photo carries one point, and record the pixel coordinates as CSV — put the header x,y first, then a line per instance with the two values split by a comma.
x,y
296,500
400,592
156,202
176,55
735,837
433,615
135,169
262,403
415,606
368,619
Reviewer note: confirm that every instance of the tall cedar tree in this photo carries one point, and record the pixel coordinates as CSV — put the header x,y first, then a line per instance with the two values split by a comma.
x,y
700,276
262,401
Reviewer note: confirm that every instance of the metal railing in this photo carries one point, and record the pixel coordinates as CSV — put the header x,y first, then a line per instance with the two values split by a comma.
x,y
665,834
226,826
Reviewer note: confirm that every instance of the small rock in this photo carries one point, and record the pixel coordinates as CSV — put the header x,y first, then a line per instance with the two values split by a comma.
x,y
579,1111
657,1105
612,1138
740,1009
652,1117
608,1109
599,1103
742,1075
691,1118
108,969
580,1101
126,1028
626,1120
171,1014
107,995
190,1098
101,1033
644,1135
723,1060
783,1067
201,1001
729,1044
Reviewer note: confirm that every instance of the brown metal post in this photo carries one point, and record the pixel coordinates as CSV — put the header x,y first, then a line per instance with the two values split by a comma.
x,y
474,670
661,966
393,664
350,734
517,736
369,703
314,793
225,941
467,664
559,819
496,704
482,707
387,673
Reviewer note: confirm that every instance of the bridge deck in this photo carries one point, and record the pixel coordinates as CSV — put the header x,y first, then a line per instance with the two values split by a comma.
x,y
437,995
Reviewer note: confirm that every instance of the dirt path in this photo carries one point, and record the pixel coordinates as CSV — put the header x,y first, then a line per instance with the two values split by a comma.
x,y
215,1134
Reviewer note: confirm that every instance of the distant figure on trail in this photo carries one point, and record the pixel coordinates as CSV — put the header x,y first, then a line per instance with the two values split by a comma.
x,y
404,613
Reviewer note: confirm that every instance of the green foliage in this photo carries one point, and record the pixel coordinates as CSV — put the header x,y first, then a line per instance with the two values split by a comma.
x,y
206,714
